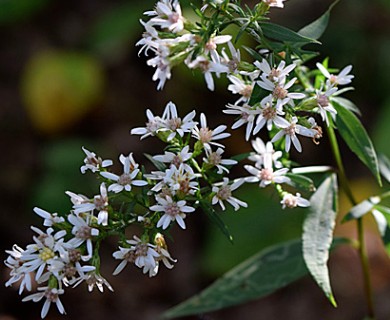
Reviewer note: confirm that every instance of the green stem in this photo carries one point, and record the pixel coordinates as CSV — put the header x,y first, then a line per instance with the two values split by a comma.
x,y
360,226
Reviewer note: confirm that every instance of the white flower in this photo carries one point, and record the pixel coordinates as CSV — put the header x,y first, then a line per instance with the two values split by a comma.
x,y
291,201
51,295
83,232
211,46
280,91
15,263
277,74
50,218
342,78
99,203
168,15
324,104
233,62
215,159
241,87
173,123
172,211
153,124
291,132
247,116
162,249
93,279
275,3
93,163
148,37
175,159
208,136
265,154
208,67
160,62
269,115
223,192
266,175
126,179
77,199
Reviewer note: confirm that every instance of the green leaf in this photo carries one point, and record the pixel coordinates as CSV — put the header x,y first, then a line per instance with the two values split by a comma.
x,y
262,274
159,165
315,29
283,34
213,216
347,104
318,233
301,182
357,139
257,94
384,166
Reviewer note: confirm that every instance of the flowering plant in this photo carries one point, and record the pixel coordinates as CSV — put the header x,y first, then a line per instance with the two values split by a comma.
x,y
278,93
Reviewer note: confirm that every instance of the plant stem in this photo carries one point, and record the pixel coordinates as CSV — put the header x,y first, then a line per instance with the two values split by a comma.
x,y
360,226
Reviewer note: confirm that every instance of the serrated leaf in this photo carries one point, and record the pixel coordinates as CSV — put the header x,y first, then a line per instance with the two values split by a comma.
x,y
283,34
357,139
260,275
315,29
318,233
301,182
213,216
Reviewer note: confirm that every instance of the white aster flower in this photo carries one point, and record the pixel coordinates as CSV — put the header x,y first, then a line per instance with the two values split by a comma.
x,y
175,159
211,46
162,249
233,62
173,211
152,126
280,91
161,62
172,122
49,218
275,3
15,262
148,37
291,201
94,279
269,115
127,178
208,67
93,163
168,15
241,87
215,160
247,116
208,136
223,192
324,104
265,154
273,74
51,295
266,175
342,78
291,131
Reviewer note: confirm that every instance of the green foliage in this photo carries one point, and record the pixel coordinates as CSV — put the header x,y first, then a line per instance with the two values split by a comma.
x,y
318,233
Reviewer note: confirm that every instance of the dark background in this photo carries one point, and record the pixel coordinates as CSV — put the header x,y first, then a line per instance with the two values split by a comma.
x,y
70,77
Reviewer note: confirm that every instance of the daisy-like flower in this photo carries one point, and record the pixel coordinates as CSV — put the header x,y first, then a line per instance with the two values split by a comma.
x,y
48,245
266,175
83,233
275,3
280,91
342,78
173,123
208,136
140,253
148,37
161,62
211,46
175,159
94,279
208,67
233,62
247,116
162,249
269,115
127,178
173,211
51,295
241,87
223,192
265,154
324,104
152,126
277,74
291,131
168,15
291,201
215,160
93,162
49,218
15,263
99,203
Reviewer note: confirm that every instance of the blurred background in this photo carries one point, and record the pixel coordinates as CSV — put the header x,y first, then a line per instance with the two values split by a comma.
x,y
70,77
